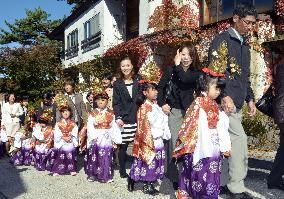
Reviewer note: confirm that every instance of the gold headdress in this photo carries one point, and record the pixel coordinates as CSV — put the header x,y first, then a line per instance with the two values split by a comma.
x,y
218,64
47,115
221,62
150,73
98,89
61,101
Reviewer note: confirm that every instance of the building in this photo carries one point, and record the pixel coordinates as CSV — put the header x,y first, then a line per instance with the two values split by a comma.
x,y
101,24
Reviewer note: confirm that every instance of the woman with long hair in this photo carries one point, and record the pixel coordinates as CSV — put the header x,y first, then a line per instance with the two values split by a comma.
x,y
175,94
125,108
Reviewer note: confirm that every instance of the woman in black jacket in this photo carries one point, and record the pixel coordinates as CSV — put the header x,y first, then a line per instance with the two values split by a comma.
x,y
275,180
124,107
175,101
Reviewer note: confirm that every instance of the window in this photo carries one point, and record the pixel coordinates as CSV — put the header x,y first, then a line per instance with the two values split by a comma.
x,y
92,33
72,44
216,10
72,39
92,26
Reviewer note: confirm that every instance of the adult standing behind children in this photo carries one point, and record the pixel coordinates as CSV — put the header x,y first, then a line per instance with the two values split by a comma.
x,y
75,102
107,80
176,100
237,91
125,109
11,112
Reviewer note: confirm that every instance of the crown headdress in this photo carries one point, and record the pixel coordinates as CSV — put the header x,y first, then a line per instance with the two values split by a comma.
x,y
218,64
150,73
61,101
47,115
98,89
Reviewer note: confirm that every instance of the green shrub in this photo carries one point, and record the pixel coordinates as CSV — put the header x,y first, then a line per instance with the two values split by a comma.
x,y
261,129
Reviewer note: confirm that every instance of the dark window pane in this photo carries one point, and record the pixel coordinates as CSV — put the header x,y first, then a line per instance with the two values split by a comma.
x,y
227,9
264,5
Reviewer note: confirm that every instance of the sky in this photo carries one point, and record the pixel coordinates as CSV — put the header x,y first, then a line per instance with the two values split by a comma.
x,y
15,9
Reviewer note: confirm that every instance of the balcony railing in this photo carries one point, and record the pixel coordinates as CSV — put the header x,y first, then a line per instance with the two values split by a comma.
x,y
72,51
91,42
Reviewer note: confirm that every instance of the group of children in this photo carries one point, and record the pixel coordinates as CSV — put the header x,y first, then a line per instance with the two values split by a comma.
x,y
203,140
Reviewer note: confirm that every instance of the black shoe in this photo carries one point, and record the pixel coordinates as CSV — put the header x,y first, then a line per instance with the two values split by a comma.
x,y
279,186
123,175
150,189
130,184
224,190
175,186
243,195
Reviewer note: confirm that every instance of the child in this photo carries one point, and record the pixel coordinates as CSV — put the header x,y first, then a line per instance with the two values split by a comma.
x,y
3,140
43,139
64,154
103,134
152,128
203,138
23,153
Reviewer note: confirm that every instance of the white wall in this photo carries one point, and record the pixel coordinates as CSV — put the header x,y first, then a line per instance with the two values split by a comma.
x,y
112,24
146,9
79,24
114,27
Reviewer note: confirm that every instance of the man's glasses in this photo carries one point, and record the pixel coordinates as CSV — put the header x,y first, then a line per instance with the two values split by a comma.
x,y
248,23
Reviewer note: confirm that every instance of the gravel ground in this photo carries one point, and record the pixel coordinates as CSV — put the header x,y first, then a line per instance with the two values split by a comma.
x,y
25,182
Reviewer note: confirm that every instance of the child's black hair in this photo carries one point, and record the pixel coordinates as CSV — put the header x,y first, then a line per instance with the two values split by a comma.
x,y
47,96
68,108
144,87
107,75
89,94
205,80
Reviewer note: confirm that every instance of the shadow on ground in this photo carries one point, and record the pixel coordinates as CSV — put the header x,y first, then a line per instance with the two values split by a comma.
x,y
11,184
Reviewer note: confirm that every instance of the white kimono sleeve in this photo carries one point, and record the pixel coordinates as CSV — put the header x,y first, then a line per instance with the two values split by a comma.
x,y
18,140
74,135
204,147
58,141
91,131
167,133
37,133
223,132
115,132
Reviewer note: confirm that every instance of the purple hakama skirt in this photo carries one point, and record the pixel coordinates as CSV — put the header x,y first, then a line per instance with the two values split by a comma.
x,y
141,171
17,158
63,160
98,162
201,180
25,156
40,158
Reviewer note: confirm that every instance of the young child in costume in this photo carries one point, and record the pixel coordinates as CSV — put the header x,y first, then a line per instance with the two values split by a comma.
x,y
103,134
23,149
3,140
203,139
63,157
42,139
152,128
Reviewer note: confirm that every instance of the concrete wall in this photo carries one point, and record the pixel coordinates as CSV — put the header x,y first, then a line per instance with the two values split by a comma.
x,y
112,25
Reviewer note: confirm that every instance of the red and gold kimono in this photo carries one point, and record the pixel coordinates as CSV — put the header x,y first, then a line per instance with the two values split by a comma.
x,y
143,147
43,137
196,129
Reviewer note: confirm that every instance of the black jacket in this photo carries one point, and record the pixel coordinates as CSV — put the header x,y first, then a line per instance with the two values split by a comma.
x,y
278,108
124,106
184,85
239,86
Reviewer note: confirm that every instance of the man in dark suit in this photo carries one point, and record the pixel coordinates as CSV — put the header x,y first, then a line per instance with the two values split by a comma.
x,y
75,102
